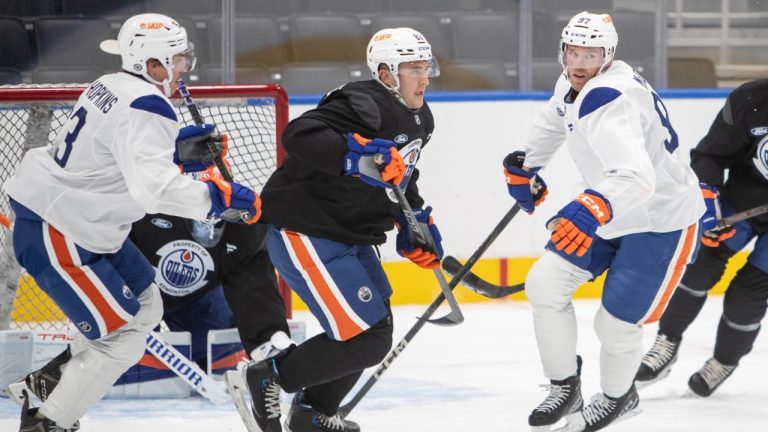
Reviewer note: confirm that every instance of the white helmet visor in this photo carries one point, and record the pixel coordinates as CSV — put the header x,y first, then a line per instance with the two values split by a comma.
x,y
419,69
185,61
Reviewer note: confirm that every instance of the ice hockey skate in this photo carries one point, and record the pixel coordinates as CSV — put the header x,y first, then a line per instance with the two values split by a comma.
x,y
564,398
302,418
602,411
33,421
707,379
41,382
657,362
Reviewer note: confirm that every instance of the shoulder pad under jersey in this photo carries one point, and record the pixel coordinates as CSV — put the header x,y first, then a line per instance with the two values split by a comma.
x,y
364,106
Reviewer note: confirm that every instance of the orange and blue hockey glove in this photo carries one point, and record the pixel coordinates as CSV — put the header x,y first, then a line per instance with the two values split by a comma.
x,y
578,222
526,187
422,254
382,153
232,201
196,147
712,234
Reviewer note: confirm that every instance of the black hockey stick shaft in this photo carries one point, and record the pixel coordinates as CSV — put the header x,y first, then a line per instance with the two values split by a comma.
x,y
746,214
454,317
349,406
477,284
198,119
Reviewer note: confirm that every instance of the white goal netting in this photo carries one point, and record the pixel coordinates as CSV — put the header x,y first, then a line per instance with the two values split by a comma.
x,y
31,116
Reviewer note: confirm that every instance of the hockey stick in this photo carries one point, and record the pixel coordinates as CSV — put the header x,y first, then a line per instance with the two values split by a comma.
x,y
460,274
454,317
194,111
746,214
186,369
475,283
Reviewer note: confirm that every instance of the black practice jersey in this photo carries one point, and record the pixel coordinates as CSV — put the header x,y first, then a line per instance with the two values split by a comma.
x,y
309,193
186,270
738,141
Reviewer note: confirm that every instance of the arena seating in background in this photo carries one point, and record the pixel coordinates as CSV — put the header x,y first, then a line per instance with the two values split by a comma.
x,y
251,74
314,77
327,38
16,52
691,73
474,75
367,7
64,42
258,41
10,76
61,75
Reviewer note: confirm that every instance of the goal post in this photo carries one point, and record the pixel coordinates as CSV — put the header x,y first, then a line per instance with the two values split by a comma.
x,y
253,116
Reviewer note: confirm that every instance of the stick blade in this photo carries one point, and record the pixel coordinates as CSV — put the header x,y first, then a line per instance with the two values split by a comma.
x,y
455,317
475,284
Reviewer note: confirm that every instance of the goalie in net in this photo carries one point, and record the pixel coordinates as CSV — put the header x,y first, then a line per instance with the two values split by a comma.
x,y
75,201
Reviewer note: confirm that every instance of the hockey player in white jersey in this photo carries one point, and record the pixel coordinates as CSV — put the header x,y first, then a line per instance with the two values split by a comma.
x,y
75,202
637,218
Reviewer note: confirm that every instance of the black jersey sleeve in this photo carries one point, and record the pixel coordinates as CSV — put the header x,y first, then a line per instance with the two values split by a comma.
x,y
724,144
316,144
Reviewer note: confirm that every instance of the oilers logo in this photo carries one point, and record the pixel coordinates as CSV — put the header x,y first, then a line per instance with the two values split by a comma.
x,y
761,157
410,154
364,294
182,268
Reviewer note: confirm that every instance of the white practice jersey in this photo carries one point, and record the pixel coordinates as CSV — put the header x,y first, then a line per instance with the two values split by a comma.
x,y
620,137
110,164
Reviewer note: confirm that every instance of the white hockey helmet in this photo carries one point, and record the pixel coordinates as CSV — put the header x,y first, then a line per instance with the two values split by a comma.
x,y
590,30
399,45
151,36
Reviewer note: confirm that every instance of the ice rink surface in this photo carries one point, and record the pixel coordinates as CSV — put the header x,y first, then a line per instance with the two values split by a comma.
x,y
483,376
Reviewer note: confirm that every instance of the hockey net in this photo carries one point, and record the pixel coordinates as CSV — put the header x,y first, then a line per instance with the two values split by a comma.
x,y
31,116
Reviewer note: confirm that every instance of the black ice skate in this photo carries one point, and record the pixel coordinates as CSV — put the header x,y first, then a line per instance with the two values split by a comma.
x,y
42,381
709,377
32,421
564,398
657,362
302,418
604,410
264,387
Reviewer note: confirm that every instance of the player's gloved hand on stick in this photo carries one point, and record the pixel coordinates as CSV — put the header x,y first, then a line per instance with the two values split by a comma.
x,y
577,222
384,154
409,244
192,147
712,235
526,187
232,202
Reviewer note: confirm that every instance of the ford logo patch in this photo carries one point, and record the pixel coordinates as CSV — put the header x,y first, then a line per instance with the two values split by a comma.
x,y
161,223
401,139
759,131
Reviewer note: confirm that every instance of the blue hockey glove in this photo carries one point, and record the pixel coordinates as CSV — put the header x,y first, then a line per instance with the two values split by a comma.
x,y
422,254
192,147
233,202
384,154
712,203
577,222
526,187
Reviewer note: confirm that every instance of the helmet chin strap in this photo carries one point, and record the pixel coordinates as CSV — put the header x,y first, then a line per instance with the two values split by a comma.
x,y
395,90
166,83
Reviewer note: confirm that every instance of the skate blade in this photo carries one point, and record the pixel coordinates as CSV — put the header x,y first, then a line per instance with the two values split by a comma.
x,y
574,423
237,391
662,375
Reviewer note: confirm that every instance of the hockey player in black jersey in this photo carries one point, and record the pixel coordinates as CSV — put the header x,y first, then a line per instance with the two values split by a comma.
x,y
327,214
737,143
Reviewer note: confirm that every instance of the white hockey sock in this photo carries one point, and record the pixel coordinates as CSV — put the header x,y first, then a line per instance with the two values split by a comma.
x,y
620,352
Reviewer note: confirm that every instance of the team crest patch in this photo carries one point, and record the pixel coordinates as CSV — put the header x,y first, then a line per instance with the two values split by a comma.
x,y
183,267
759,131
85,326
127,293
761,157
161,223
401,139
364,294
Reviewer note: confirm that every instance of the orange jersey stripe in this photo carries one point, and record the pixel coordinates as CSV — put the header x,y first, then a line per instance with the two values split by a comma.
x,y
229,361
150,361
682,260
111,319
347,327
